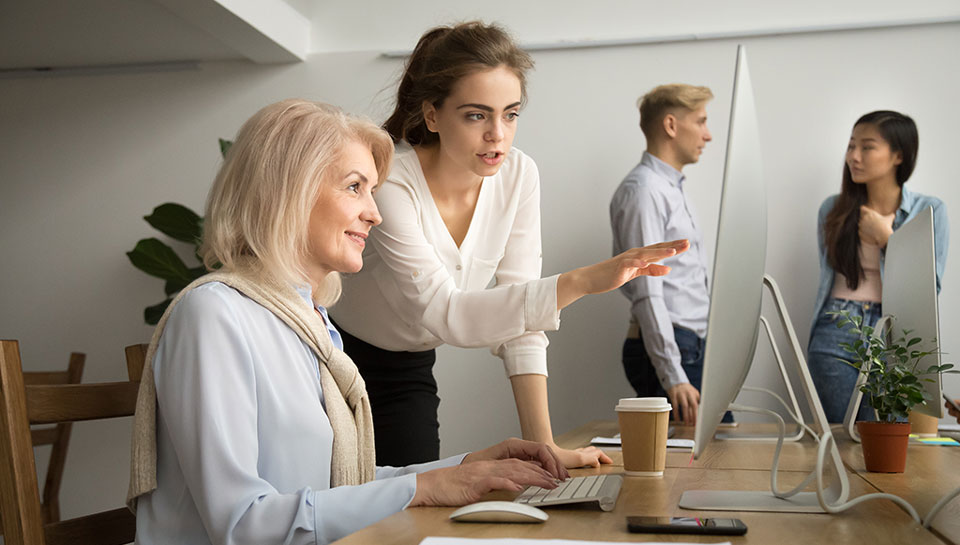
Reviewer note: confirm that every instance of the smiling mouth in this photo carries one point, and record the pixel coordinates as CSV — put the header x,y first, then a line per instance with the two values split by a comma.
x,y
358,238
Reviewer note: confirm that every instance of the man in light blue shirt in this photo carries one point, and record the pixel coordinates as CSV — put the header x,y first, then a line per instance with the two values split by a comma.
x,y
663,352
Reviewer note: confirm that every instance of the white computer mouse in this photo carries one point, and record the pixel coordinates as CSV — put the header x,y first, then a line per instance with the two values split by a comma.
x,y
498,511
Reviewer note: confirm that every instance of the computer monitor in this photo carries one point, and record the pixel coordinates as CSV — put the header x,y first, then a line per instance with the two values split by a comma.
x,y
910,303
738,266
735,304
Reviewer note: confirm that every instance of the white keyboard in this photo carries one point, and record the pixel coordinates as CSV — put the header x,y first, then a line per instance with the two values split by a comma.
x,y
601,489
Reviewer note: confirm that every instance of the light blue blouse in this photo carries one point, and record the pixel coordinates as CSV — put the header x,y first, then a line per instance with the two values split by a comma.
x,y
243,441
910,205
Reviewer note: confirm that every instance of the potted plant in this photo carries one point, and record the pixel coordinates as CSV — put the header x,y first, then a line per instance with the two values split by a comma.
x,y
893,386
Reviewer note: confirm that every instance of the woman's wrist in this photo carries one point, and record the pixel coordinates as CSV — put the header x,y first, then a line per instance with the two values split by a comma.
x,y
570,288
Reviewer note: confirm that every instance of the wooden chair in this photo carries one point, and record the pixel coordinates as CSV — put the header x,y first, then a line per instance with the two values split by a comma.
x,y
136,358
22,405
58,435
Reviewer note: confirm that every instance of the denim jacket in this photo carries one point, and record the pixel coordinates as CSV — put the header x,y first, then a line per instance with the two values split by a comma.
x,y
910,205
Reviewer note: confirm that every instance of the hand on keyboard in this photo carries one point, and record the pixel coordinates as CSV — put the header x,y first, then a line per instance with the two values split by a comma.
x,y
508,465
469,482
538,453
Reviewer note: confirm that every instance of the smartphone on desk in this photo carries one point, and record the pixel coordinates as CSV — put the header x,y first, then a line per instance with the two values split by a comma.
x,y
686,525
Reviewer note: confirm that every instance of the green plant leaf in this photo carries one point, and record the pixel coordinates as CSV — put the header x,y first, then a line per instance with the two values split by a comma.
x,y
153,313
157,259
177,222
224,146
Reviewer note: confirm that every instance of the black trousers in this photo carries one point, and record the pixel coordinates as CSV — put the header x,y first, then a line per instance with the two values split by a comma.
x,y
403,397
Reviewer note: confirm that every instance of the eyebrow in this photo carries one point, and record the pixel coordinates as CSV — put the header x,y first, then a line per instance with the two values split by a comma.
x,y
358,173
484,107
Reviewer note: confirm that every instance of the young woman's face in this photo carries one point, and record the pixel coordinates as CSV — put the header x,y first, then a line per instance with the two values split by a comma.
x,y
344,213
869,156
477,122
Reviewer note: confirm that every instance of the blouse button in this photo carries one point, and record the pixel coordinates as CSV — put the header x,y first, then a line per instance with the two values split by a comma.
x,y
416,274
459,267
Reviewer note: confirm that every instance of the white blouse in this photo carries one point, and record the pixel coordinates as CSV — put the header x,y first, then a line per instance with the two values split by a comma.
x,y
418,290
243,441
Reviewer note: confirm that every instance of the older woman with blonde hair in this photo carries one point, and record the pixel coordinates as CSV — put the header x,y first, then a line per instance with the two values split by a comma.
x,y
252,425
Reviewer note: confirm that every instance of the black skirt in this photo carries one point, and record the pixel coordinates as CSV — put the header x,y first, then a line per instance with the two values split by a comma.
x,y
403,396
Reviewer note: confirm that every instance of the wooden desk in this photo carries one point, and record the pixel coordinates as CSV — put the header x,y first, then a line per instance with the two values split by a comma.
x,y
727,454
931,473
878,522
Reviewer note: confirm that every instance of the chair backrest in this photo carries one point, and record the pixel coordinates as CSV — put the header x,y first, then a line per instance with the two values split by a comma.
x,y
58,436
22,405
136,359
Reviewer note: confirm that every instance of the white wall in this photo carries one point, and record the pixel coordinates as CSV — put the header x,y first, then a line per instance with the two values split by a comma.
x,y
83,159
346,25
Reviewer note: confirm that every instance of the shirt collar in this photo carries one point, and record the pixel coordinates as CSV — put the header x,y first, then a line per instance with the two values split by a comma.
x,y
306,292
654,163
907,199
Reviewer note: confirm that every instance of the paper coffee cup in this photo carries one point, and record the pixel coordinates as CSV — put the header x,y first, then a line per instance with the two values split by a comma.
x,y
643,435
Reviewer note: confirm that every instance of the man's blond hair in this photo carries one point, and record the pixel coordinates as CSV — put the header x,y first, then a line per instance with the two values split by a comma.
x,y
262,198
667,99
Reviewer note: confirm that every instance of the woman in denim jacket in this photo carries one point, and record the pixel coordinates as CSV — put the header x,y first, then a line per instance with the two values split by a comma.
x,y
852,231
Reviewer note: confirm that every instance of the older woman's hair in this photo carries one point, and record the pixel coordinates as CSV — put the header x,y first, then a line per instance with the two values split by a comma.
x,y
261,200
666,99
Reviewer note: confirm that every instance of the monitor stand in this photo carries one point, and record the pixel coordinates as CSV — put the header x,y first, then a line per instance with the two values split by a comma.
x,y
796,414
801,502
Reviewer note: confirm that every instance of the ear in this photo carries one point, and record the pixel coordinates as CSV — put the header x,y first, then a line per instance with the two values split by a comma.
x,y
670,123
897,157
429,115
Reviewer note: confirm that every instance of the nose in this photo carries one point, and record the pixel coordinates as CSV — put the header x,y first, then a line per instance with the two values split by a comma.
x,y
495,131
853,155
707,136
370,213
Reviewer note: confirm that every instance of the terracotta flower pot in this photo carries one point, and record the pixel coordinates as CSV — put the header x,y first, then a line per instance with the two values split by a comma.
x,y
884,445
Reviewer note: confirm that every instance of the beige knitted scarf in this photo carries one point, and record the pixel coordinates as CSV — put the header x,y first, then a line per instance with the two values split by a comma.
x,y
344,392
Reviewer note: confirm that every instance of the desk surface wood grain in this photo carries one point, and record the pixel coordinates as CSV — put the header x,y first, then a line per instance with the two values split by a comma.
x,y
878,522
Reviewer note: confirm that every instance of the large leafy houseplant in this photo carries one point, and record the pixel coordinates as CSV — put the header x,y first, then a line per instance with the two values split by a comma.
x,y
156,258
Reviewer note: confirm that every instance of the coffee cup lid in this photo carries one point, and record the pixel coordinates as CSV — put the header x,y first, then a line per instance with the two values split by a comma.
x,y
644,404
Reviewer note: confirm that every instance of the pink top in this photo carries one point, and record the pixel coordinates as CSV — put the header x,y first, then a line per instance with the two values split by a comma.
x,y
870,287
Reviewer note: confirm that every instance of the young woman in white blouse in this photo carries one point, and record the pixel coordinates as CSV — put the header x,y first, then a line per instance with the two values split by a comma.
x,y
252,426
461,207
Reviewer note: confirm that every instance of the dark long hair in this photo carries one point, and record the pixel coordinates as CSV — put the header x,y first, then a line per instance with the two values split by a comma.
x,y
840,230
443,56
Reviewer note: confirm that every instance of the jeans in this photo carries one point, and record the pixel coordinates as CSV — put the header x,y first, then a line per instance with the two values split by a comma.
x,y
642,375
834,379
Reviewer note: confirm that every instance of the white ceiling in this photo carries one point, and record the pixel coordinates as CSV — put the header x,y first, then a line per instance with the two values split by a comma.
x,y
98,33
83,35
